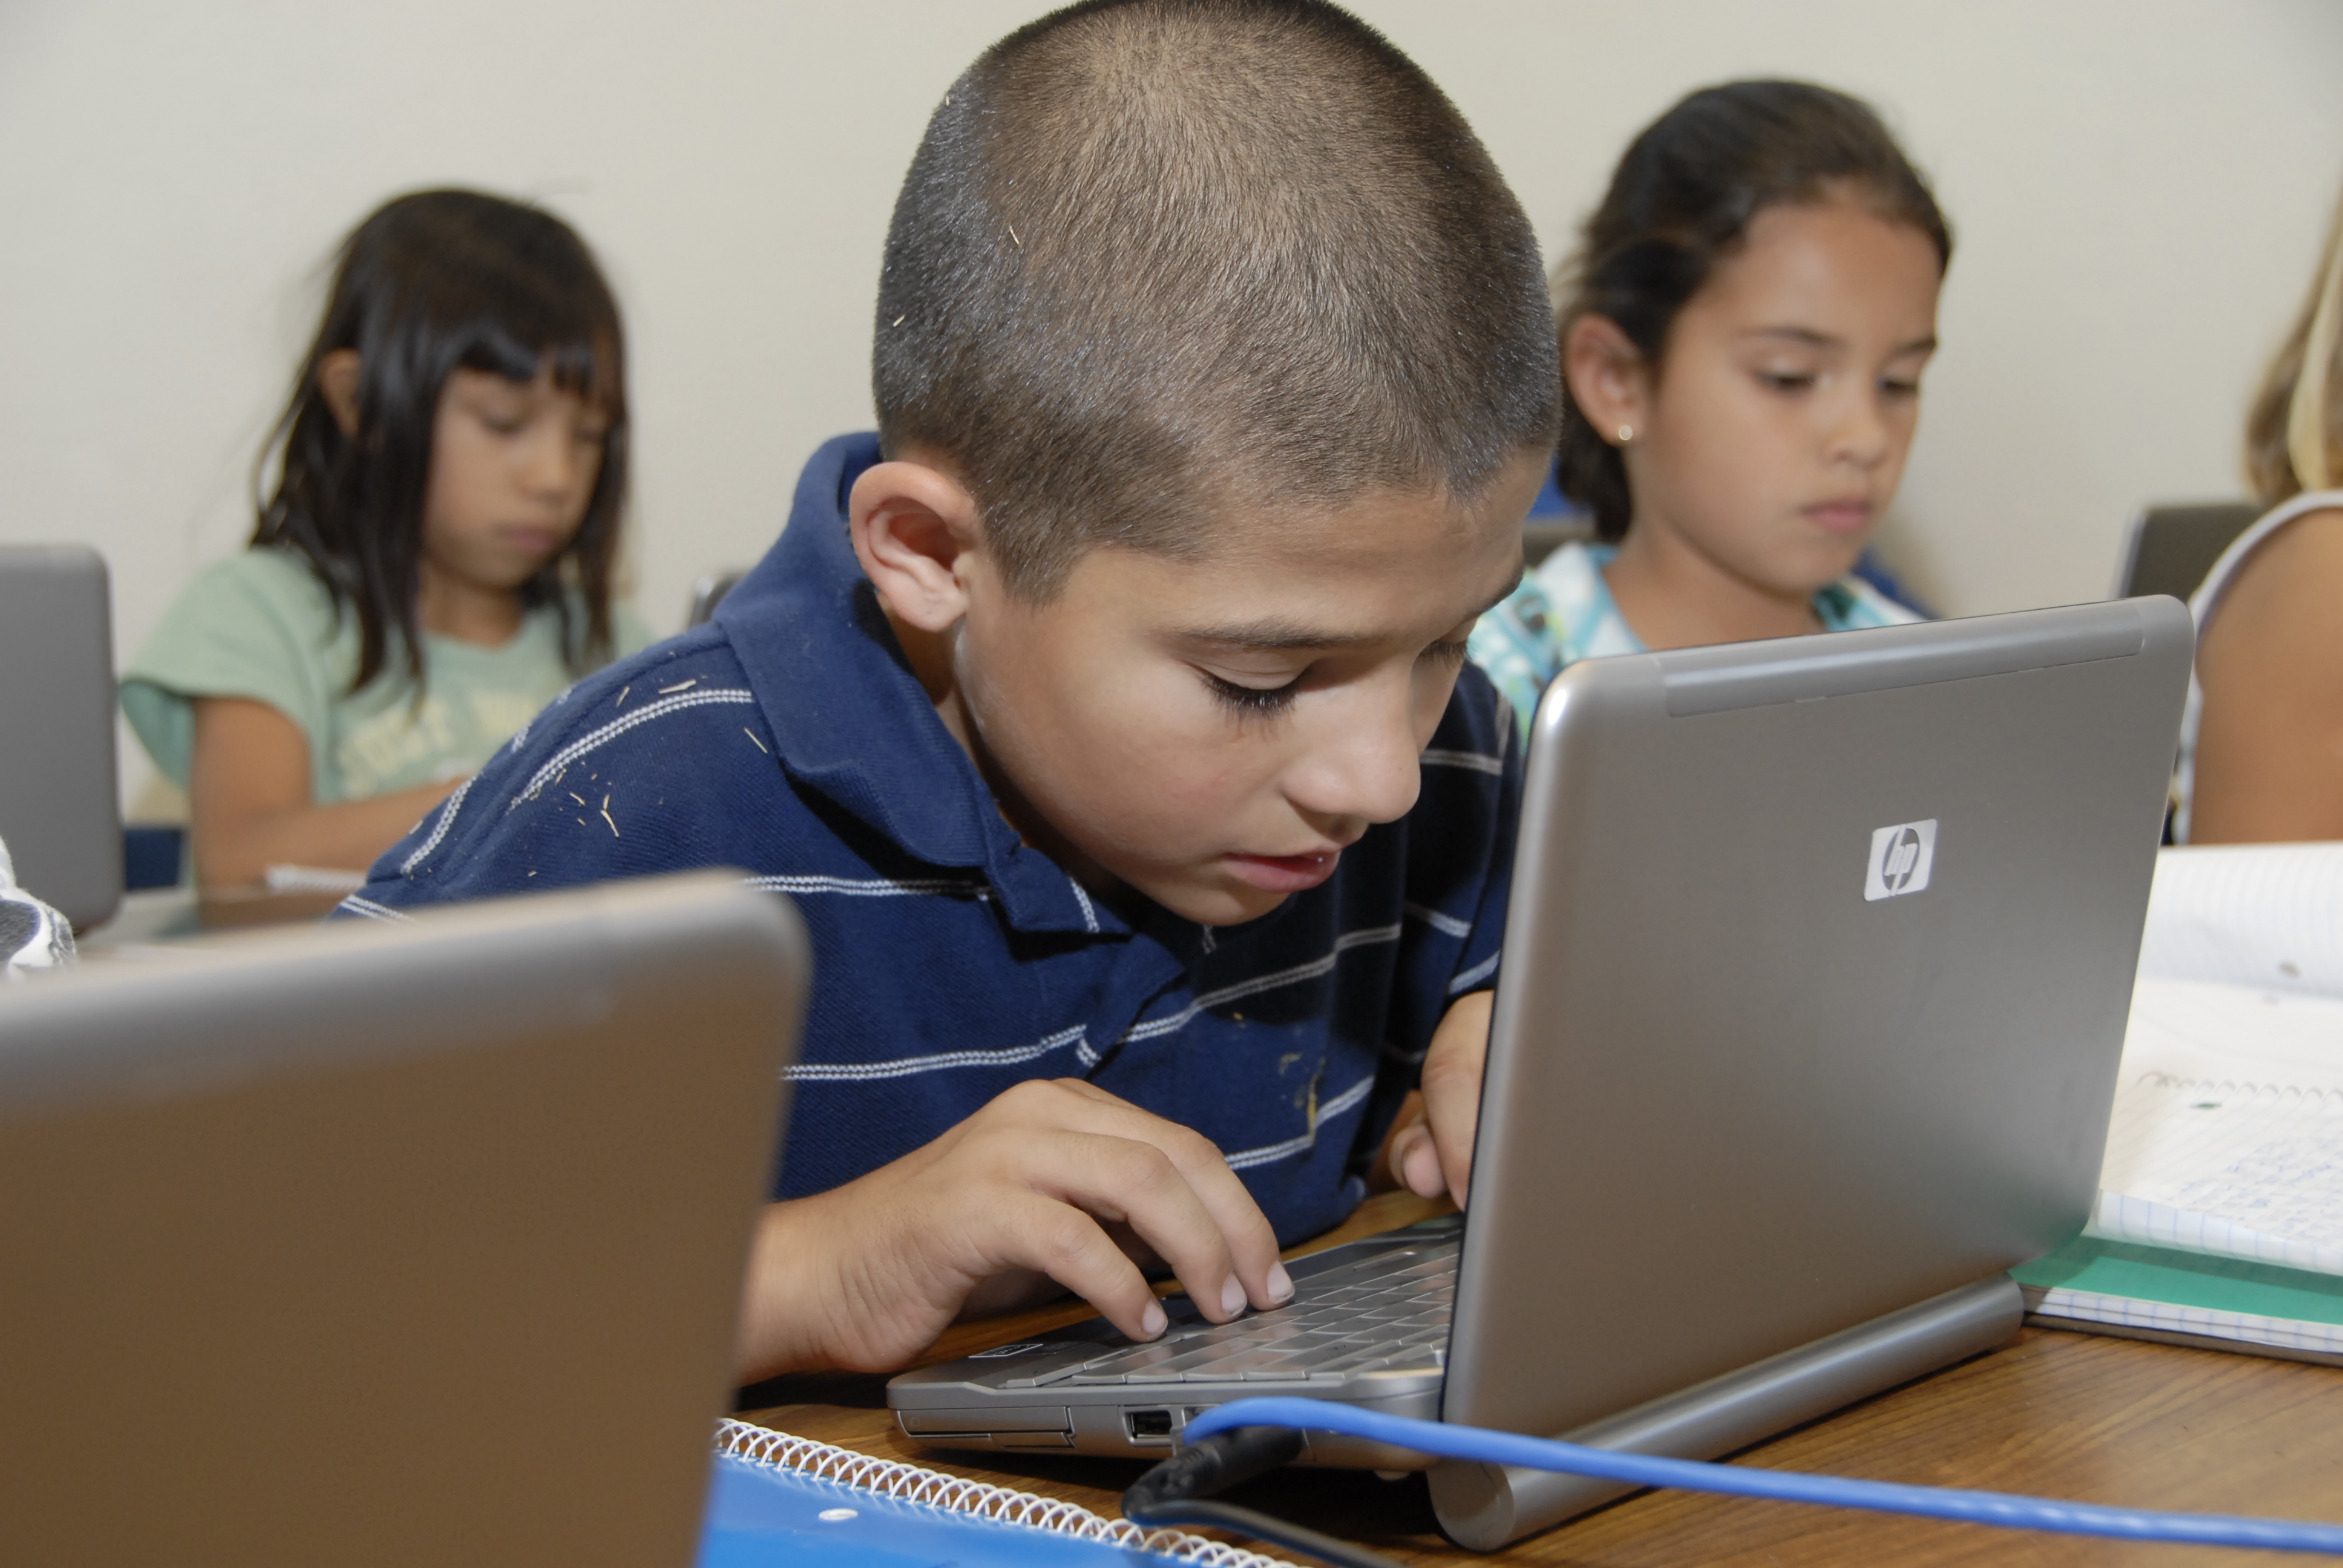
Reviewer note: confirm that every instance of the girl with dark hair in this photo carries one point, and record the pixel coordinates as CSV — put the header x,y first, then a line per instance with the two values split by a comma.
x,y
433,562
1744,327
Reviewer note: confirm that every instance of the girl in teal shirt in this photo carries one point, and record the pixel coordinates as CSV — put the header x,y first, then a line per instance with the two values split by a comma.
x,y
1743,328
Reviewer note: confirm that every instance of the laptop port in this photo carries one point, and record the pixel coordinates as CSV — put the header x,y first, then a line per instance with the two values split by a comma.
x,y
1148,1425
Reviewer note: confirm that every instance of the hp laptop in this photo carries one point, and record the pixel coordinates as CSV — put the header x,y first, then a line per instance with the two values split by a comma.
x,y
1816,977
389,1244
58,813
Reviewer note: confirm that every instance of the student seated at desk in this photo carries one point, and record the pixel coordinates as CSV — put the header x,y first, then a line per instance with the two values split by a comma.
x,y
2261,755
1743,331
1106,714
434,562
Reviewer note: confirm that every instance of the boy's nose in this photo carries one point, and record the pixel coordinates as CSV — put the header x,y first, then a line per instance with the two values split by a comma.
x,y
1364,766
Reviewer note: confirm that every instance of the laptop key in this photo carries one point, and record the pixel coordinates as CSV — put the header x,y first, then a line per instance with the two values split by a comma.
x,y
1116,1367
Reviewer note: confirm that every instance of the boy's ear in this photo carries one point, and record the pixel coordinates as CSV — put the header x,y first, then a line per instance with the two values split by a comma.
x,y
916,531
338,384
1608,378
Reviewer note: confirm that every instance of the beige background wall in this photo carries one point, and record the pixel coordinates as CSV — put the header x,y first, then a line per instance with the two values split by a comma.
x,y
2138,185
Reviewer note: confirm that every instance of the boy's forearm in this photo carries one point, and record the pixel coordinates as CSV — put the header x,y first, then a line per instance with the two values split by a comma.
x,y
782,1320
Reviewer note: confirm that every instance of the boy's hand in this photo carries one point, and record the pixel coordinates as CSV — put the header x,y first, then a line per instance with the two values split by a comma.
x,y
867,1275
1434,1153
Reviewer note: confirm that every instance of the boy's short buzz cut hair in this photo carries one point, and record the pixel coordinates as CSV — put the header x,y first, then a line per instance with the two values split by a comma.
x,y
1156,258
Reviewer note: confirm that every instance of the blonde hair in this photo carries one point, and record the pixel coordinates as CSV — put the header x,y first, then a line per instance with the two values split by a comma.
x,y
2293,435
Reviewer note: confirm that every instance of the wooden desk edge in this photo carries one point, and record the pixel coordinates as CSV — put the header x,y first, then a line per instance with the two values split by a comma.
x,y
2096,1419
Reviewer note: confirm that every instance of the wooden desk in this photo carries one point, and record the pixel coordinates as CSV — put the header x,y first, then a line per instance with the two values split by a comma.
x,y
2064,1415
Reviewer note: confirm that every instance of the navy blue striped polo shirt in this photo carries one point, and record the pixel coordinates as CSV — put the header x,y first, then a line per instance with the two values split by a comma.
x,y
790,740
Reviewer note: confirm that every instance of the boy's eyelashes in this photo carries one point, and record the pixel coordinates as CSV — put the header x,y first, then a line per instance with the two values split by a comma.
x,y
1254,701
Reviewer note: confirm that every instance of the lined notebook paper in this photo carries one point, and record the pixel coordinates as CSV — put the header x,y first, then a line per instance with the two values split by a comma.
x,y
2230,1167
2220,1210
2269,916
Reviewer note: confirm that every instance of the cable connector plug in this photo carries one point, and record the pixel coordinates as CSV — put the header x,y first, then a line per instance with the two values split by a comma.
x,y
1174,1493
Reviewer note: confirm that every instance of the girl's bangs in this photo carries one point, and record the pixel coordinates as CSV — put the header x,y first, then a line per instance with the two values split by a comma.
x,y
579,366
535,332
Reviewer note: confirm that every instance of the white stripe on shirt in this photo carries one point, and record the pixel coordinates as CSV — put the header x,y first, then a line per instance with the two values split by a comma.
x,y
1153,1027
1476,974
1446,925
911,1066
373,910
1480,762
438,830
1349,1099
617,726
876,887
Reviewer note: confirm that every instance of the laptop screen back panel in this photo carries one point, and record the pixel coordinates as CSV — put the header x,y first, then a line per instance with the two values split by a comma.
x,y
388,1245
58,813
1740,1093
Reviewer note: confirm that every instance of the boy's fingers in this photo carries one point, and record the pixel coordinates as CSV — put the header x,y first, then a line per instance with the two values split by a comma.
x,y
1452,1088
1246,1236
1139,1182
1249,1244
1059,1239
1415,1160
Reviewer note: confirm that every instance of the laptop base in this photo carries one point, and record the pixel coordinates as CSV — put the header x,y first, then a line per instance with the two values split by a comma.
x,y
1485,1506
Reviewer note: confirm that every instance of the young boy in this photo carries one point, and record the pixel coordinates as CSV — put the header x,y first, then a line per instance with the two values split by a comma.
x,y
1106,715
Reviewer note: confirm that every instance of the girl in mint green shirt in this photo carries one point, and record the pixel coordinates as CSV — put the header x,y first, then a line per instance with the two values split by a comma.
x,y
434,562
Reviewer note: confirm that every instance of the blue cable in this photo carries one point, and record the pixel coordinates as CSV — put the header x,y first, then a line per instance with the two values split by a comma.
x,y
2007,1510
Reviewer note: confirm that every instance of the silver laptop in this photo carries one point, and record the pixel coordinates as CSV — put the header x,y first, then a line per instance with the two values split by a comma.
x,y
58,811
1817,969
389,1244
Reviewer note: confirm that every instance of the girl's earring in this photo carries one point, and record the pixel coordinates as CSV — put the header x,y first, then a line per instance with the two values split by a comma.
x,y
1626,434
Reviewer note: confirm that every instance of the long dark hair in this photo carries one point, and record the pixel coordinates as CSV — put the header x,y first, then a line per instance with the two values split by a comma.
x,y
1680,200
431,282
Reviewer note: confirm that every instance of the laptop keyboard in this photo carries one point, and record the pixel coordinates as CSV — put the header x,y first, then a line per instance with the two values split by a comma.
x,y
1388,1310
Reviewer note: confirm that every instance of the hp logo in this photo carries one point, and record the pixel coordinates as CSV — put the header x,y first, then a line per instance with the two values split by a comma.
x,y
1901,859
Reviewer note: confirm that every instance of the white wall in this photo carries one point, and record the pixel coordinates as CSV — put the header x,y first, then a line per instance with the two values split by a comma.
x,y
2139,186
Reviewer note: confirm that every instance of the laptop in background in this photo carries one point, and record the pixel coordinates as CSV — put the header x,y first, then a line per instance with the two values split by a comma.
x,y
58,811
1816,971
389,1243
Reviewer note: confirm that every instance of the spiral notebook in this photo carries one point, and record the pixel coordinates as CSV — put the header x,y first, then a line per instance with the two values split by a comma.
x,y
776,1499
2219,1221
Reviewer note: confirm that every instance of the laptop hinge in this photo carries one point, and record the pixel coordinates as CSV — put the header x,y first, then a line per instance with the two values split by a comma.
x,y
1484,1506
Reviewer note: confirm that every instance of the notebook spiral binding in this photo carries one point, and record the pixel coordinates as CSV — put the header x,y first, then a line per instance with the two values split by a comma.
x,y
2323,1099
908,1482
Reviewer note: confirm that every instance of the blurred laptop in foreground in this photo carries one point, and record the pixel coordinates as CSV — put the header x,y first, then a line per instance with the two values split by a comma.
x,y
389,1243
58,813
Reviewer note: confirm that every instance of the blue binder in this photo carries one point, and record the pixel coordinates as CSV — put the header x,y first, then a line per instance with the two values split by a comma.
x,y
764,1515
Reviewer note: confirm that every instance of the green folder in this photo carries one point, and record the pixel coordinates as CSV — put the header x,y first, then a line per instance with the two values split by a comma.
x,y
2161,1274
